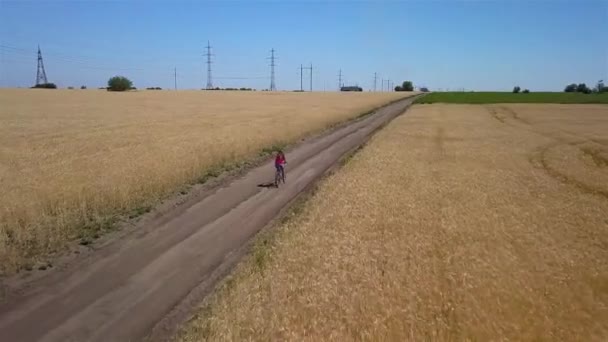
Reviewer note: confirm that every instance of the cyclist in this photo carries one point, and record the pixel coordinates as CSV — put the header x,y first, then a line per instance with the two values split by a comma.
x,y
279,164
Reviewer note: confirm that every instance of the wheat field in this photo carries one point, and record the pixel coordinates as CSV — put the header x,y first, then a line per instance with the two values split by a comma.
x,y
456,222
70,159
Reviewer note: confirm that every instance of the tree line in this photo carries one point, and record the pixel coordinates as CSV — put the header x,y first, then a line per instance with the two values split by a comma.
x,y
582,88
409,86
517,89
575,88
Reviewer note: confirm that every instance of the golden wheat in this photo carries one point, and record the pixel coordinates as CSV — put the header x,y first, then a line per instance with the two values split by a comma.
x,y
68,159
456,222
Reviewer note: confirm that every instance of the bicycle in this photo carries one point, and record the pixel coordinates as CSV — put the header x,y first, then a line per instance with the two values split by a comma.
x,y
279,176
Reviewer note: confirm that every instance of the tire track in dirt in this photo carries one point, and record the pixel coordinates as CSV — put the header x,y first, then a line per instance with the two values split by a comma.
x,y
439,142
492,111
595,155
539,157
513,114
126,290
603,142
539,160
503,114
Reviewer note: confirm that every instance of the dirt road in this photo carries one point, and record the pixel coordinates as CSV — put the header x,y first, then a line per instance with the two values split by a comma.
x,y
141,285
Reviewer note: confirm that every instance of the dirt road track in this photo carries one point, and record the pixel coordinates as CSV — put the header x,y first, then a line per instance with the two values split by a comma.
x,y
142,285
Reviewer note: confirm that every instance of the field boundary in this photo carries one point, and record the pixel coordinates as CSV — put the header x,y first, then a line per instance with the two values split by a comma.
x,y
509,97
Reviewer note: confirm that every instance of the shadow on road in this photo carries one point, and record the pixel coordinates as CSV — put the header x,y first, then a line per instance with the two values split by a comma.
x,y
266,185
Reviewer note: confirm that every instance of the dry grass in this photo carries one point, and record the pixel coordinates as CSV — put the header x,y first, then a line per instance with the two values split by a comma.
x,y
69,160
456,222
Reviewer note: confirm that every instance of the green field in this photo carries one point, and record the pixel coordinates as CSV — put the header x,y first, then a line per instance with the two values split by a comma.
x,y
504,97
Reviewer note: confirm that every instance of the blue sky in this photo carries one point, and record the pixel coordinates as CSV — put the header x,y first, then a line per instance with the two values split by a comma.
x,y
475,45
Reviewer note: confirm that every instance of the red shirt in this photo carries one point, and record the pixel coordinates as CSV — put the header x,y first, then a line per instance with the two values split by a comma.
x,y
280,160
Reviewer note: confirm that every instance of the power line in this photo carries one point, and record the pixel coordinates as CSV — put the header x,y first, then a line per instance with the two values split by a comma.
x,y
242,78
73,62
61,56
78,58
92,60
209,79
307,68
101,63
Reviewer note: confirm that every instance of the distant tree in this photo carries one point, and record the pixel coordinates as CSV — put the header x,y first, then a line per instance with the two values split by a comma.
x,y
582,88
71,88
120,83
516,89
45,86
351,88
570,88
424,89
83,87
526,91
407,86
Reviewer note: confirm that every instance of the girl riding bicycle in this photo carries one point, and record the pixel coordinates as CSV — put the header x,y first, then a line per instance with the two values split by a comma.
x,y
279,164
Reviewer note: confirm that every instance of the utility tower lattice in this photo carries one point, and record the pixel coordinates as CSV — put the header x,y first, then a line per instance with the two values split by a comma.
x,y
311,77
273,86
208,54
340,80
375,80
40,74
